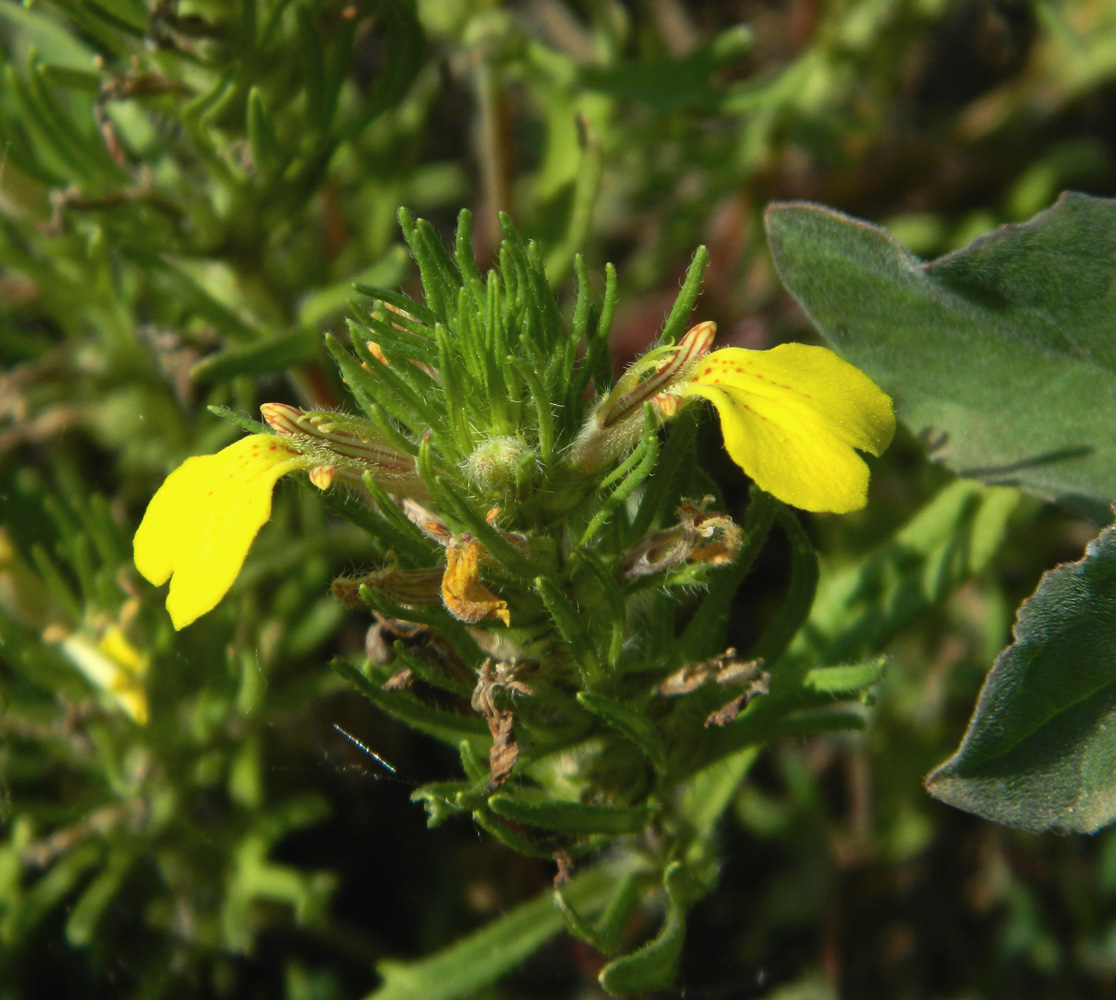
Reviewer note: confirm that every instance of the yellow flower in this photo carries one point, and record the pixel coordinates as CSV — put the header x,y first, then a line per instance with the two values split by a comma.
x,y
111,663
201,522
793,418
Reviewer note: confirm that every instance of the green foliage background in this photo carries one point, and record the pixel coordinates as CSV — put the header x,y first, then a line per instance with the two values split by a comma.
x,y
188,192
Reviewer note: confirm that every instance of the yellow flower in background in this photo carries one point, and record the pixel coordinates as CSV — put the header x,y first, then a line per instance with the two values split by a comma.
x,y
201,522
793,418
111,663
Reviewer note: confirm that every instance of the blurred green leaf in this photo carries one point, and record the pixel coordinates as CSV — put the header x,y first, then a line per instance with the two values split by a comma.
x,y
848,679
667,83
262,140
482,958
860,608
275,354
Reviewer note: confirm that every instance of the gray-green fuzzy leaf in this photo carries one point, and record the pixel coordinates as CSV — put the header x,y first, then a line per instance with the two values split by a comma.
x,y
1040,752
1001,355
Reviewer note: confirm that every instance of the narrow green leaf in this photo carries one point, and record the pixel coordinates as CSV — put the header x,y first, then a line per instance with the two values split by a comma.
x,y
596,364
613,609
466,260
605,935
412,390
60,880
85,914
272,354
643,458
51,35
704,635
437,269
666,83
72,78
475,767
784,626
404,706
509,558
435,616
404,302
540,399
673,473
262,140
574,818
445,800
398,530
846,679
404,54
655,965
587,188
569,622
129,18
756,728
687,298
177,285
313,72
859,609
241,420
512,836
710,792
629,722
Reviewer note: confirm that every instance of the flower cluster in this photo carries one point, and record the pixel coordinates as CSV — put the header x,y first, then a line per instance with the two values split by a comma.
x,y
793,418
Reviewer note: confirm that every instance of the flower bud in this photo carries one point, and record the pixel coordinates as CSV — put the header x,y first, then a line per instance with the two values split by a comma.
x,y
501,466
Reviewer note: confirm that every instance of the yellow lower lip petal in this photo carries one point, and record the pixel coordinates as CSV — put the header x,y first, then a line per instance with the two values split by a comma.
x,y
201,522
793,419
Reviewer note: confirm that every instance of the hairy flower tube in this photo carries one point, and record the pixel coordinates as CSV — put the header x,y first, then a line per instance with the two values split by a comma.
x,y
793,417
